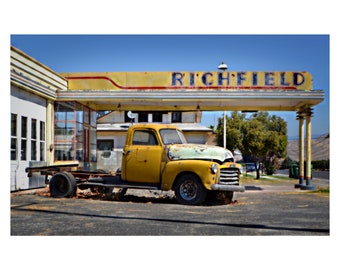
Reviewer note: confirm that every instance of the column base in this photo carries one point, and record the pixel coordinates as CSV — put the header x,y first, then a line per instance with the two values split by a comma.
x,y
308,187
301,182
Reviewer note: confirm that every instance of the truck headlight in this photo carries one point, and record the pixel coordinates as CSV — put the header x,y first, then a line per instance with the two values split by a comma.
x,y
213,168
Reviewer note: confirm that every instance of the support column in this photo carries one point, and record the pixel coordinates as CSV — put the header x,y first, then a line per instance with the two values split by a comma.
x,y
49,132
308,173
300,117
224,130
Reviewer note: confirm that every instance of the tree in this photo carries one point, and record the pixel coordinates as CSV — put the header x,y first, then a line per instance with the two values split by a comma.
x,y
234,134
261,138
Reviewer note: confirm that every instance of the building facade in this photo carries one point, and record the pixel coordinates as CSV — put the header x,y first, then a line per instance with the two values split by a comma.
x,y
33,92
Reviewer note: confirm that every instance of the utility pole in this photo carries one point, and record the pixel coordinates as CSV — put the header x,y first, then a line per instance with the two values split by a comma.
x,y
224,67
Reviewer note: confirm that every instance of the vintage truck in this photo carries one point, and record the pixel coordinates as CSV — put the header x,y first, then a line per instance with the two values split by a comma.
x,y
156,156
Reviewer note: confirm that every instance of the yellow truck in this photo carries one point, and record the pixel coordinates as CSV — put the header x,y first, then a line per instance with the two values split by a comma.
x,y
158,157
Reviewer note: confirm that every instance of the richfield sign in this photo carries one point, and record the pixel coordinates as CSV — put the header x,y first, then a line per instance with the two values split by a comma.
x,y
233,80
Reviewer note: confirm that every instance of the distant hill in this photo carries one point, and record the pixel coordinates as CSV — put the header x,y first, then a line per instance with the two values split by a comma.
x,y
320,148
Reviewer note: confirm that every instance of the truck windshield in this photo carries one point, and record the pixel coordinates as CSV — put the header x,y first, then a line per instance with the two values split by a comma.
x,y
172,136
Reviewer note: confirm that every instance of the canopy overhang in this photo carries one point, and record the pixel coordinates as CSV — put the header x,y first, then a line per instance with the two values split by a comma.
x,y
188,100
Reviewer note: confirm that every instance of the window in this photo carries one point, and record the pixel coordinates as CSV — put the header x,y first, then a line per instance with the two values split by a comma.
x,y
144,137
33,139
23,138
157,117
64,130
64,111
105,145
75,132
42,140
172,136
14,140
143,117
86,115
176,117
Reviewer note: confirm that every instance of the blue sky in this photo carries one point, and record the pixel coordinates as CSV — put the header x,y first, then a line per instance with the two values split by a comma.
x,y
78,53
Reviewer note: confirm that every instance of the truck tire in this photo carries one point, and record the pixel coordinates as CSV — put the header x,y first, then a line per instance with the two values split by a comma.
x,y
63,185
189,190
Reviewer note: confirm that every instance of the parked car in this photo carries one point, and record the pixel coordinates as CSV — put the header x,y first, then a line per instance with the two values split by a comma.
x,y
250,167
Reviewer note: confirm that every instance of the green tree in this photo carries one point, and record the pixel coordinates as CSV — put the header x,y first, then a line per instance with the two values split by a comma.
x,y
234,134
261,138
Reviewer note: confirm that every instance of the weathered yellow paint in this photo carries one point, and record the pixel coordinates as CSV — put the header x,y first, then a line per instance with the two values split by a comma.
x,y
248,80
199,167
232,165
142,163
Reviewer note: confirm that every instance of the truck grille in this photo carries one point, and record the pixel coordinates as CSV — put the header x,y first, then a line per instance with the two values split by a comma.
x,y
229,176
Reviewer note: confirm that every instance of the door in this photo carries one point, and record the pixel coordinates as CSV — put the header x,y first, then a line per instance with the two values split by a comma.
x,y
142,159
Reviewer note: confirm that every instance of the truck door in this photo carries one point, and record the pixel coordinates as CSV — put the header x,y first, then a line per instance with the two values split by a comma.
x,y
142,159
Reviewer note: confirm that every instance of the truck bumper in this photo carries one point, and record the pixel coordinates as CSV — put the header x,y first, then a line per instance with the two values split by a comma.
x,y
227,188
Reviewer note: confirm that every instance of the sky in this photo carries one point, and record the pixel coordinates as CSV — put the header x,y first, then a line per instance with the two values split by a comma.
x,y
110,53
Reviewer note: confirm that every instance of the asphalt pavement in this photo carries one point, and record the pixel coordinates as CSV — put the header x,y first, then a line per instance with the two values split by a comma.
x,y
267,207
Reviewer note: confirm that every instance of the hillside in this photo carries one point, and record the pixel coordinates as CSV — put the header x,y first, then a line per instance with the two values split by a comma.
x,y
320,148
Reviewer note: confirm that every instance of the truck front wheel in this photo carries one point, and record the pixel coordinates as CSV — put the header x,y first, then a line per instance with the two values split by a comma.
x,y
189,190
63,185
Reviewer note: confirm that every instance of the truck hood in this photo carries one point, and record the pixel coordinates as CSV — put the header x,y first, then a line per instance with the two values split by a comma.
x,y
199,151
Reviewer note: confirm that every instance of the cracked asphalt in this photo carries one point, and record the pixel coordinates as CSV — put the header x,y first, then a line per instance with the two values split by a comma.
x,y
266,208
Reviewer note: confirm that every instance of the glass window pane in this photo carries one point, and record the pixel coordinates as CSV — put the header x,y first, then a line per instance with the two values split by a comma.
x,y
142,117
80,151
13,148
79,112
33,150
141,137
13,125
23,149
93,118
93,152
176,117
42,151
42,131
93,136
64,111
33,128
105,145
64,151
64,130
172,136
86,115
23,127
80,132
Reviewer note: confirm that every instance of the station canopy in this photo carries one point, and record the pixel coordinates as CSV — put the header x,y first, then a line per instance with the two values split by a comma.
x,y
187,91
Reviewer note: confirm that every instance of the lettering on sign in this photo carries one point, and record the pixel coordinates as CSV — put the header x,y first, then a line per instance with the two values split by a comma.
x,y
290,80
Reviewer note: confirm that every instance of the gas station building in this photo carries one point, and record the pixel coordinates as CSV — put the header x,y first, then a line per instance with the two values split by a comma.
x,y
54,120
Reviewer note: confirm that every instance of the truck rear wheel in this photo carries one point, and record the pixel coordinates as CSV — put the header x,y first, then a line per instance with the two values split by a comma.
x,y
63,185
189,190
